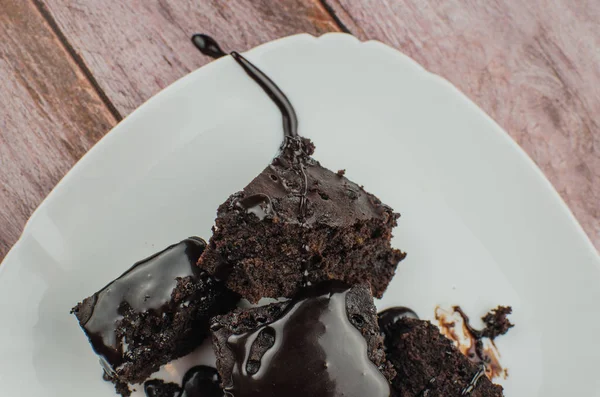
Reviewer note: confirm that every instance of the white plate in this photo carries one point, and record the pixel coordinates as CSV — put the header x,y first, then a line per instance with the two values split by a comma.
x,y
481,224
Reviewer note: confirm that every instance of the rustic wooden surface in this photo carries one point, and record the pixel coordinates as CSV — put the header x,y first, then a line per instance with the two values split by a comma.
x,y
69,70
50,114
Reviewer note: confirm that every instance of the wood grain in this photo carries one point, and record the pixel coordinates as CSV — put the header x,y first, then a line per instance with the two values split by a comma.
x,y
135,48
50,115
532,65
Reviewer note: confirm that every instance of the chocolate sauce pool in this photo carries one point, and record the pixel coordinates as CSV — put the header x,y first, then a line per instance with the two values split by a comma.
x,y
147,285
315,351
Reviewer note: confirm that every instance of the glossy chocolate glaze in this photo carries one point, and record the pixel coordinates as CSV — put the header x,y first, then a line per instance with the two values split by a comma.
x,y
147,285
314,351
202,381
257,204
207,45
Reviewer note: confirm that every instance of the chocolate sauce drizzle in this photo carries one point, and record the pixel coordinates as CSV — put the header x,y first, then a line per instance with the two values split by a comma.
x,y
315,351
198,381
257,204
496,324
477,353
146,286
292,146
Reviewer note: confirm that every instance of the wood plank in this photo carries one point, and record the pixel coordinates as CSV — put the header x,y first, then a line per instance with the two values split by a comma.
x,y
136,48
532,65
51,115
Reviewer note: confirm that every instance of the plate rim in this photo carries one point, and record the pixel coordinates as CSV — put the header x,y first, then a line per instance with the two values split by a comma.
x,y
304,43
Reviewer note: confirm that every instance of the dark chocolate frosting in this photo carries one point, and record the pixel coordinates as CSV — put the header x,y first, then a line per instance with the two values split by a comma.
x,y
311,349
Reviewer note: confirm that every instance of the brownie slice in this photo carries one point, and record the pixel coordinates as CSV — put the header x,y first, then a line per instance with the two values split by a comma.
x,y
155,312
429,365
325,341
299,222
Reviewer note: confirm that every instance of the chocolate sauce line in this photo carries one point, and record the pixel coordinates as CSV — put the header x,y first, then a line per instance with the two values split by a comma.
x,y
477,336
290,120
292,144
208,46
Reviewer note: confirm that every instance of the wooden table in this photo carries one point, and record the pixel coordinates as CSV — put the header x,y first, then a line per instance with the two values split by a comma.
x,y
71,69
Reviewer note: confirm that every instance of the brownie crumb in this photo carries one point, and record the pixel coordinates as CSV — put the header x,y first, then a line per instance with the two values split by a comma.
x,y
496,322
122,388
341,173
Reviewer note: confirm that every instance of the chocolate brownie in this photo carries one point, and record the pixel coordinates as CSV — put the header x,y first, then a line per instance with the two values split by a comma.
x,y
324,342
155,312
269,239
429,365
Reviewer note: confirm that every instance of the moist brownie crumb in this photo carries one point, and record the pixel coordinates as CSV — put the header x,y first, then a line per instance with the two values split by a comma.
x,y
270,239
120,387
496,322
155,312
309,336
428,364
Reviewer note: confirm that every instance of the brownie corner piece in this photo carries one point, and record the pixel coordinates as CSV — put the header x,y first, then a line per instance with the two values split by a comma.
x,y
155,312
264,247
